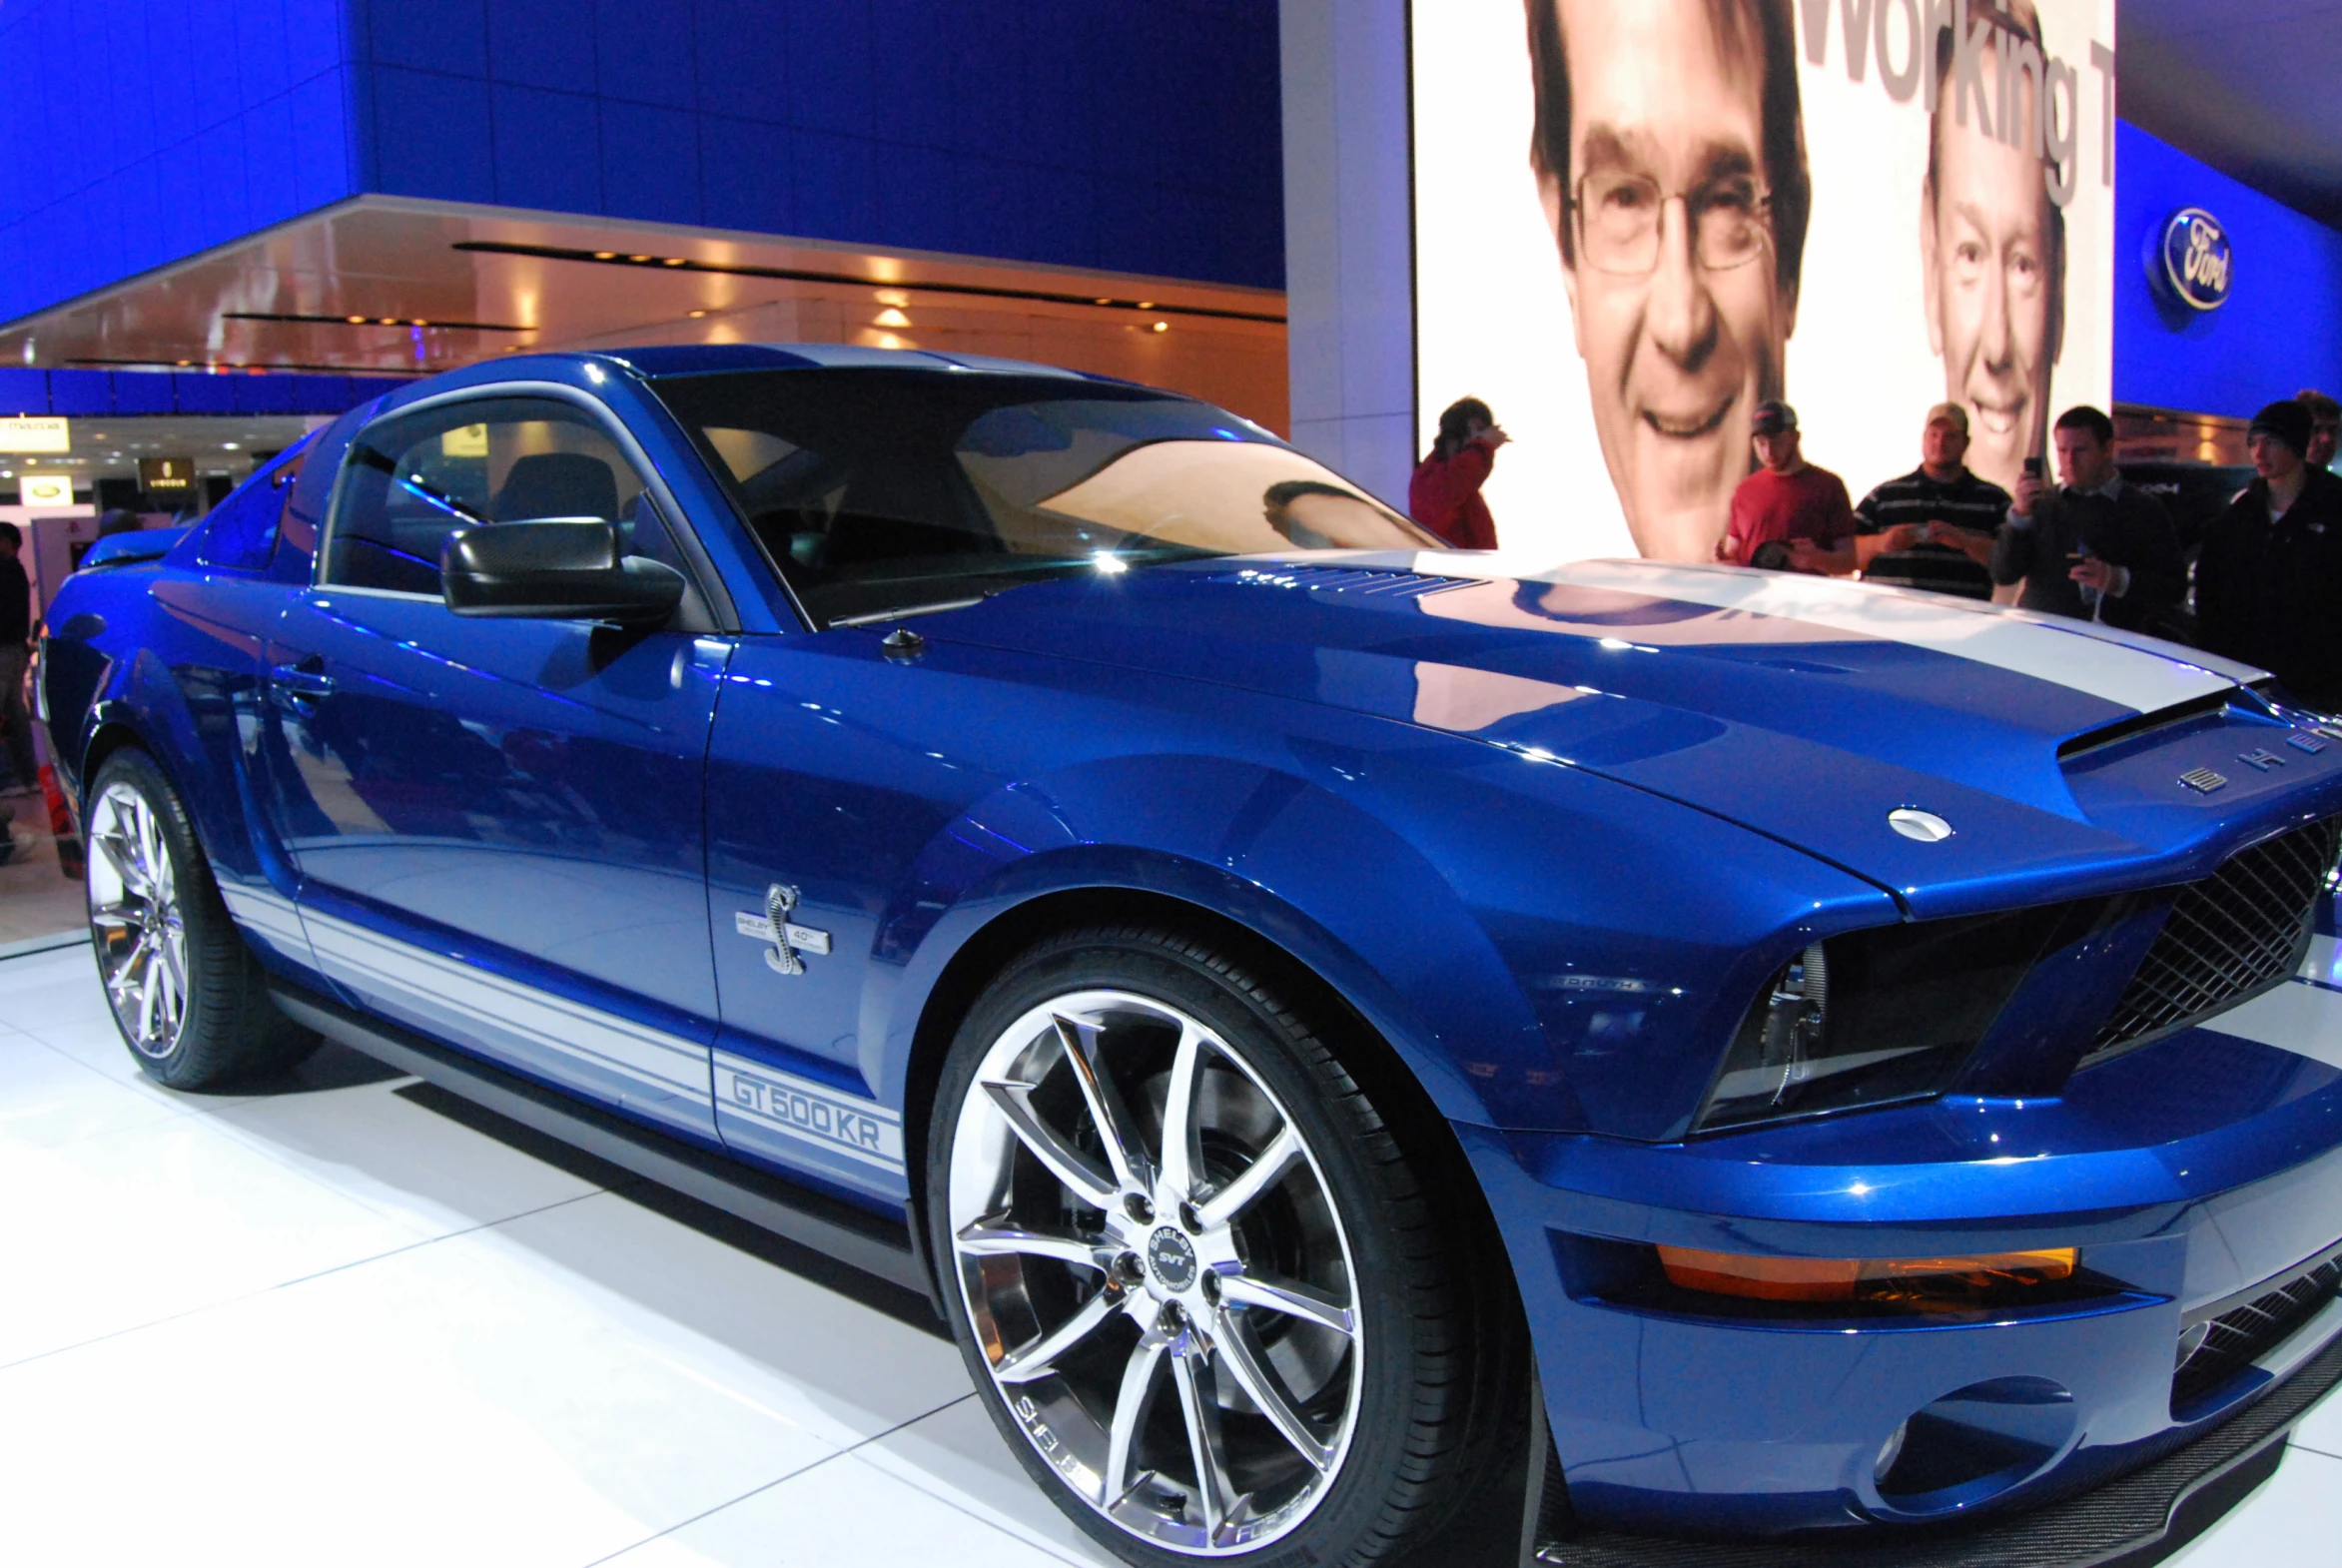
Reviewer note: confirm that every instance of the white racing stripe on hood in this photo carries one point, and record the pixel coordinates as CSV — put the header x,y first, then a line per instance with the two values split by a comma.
x,y
2130,671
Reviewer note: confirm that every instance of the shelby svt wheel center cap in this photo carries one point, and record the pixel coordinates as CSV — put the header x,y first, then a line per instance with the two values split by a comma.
x,y
1171,1258
1153,1266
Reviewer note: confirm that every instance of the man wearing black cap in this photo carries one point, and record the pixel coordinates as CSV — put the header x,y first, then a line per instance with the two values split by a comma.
x,y
2094,549
1788,514
2268,587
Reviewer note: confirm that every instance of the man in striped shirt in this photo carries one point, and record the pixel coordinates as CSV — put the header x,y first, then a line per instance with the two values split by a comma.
x,y
1933,529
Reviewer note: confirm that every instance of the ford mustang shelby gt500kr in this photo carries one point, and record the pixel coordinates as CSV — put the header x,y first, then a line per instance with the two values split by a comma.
x,y
1307,1004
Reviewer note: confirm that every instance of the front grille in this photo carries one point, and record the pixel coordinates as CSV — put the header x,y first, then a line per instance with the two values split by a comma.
x,y
2235,1339
2239,931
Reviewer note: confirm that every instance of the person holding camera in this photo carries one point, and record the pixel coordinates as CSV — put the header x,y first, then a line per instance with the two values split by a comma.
x,y
1788,514
2093,548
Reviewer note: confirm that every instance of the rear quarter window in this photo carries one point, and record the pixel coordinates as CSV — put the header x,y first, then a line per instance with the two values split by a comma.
x,y
241,534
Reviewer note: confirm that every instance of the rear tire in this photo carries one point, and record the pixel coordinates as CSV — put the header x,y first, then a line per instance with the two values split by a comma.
x,y
1197,1363
188,995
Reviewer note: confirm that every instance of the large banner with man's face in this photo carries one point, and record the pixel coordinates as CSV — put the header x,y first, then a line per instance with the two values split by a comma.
x,y
1635,220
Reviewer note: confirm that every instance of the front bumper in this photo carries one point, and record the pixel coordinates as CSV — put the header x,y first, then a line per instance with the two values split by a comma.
x,y
2189,1173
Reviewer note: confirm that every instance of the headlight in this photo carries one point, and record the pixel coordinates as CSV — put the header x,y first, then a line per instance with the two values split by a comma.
x,y
1874,1015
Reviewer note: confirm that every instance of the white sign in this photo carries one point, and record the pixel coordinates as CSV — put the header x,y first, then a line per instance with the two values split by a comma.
x,y
1635,221
35,434
44,489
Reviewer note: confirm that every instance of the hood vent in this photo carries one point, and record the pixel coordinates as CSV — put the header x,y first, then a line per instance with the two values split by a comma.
x,y
1346,579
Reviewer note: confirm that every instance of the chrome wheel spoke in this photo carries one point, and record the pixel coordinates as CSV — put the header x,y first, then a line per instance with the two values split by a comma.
x,y
1042,1142
1182,1154
119,917
1235,1351
150,985
1291,1299
122,859
1132,1401
1207,1445
1040,1358
1225,1205
993,1239
1106,1112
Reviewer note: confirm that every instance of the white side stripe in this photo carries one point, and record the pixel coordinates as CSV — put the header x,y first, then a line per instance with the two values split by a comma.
x,y
269,913
663,1065
2130,671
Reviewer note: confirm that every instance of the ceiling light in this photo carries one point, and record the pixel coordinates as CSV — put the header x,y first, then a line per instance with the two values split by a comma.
x,y
1102,301
891,317
355,321
605,256
638,258
695,315
675,261
1146,305
1162,327
228,446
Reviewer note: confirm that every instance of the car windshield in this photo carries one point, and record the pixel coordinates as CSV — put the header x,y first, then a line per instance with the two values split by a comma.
x,y
882,492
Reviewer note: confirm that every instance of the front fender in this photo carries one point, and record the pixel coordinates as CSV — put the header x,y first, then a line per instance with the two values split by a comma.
x,y
1545,949
1248,844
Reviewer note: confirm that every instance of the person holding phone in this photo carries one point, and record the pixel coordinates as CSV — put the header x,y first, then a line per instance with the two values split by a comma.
x,y
1934,528
2093,547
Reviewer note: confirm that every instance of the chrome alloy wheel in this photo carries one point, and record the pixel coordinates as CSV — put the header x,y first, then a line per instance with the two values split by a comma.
x,y
136,921
1156,1272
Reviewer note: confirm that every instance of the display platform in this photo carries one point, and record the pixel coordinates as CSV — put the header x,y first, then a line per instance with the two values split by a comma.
x,y
354,1320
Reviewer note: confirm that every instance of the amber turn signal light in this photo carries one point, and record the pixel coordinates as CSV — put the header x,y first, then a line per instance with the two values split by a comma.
x,y
1917,1282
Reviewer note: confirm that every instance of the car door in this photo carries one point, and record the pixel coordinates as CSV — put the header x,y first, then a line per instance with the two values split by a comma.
x,y
497,822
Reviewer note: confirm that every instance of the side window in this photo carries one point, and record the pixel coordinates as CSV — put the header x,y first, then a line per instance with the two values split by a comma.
x,y
241,534
413,479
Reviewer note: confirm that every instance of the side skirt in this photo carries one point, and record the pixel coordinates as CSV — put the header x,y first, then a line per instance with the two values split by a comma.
x,y
890,1251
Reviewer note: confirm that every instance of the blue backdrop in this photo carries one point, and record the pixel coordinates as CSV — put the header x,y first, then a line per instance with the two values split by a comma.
x,y
1083,132
2281,329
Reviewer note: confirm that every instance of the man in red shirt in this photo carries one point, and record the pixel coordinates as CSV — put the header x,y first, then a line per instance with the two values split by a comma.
x,y
1787,512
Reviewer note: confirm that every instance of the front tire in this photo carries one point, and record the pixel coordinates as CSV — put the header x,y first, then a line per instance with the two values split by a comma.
x,y
1200,1285
188,995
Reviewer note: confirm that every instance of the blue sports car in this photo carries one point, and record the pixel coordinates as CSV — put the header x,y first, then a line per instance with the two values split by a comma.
x,y
1372,1047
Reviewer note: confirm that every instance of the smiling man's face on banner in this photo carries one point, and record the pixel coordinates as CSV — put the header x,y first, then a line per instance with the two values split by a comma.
x,y
1664,217
1994,245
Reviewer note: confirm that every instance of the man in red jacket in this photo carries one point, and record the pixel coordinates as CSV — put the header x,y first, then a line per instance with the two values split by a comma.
x,y
1444,494
1788,510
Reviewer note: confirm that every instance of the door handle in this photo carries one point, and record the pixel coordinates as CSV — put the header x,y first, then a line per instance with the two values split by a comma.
x,y
295,687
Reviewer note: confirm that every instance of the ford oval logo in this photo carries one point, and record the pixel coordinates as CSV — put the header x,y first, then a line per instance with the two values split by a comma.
x,y
2199,266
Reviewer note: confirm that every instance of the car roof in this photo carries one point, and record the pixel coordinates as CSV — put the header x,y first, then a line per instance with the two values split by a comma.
x,y
704,359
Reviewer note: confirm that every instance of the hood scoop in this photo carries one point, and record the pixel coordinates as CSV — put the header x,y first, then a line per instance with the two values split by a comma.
x,y
1345,579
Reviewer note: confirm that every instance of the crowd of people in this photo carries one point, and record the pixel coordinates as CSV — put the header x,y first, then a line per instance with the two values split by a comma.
x,y
2264,586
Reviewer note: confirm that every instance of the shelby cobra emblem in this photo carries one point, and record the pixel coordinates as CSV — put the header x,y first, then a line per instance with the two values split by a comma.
x,y
790,943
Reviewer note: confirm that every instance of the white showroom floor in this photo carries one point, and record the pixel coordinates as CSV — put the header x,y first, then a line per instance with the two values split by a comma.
x,y
341,1323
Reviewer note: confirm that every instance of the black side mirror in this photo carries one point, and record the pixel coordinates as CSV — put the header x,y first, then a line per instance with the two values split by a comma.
x,y
560,568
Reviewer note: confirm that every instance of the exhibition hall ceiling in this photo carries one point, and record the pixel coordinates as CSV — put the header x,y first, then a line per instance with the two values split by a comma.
x,y
383,285
2249,89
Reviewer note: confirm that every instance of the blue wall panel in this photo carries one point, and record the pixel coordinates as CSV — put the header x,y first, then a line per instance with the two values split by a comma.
x,y
135,133
1081,133
2281,329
